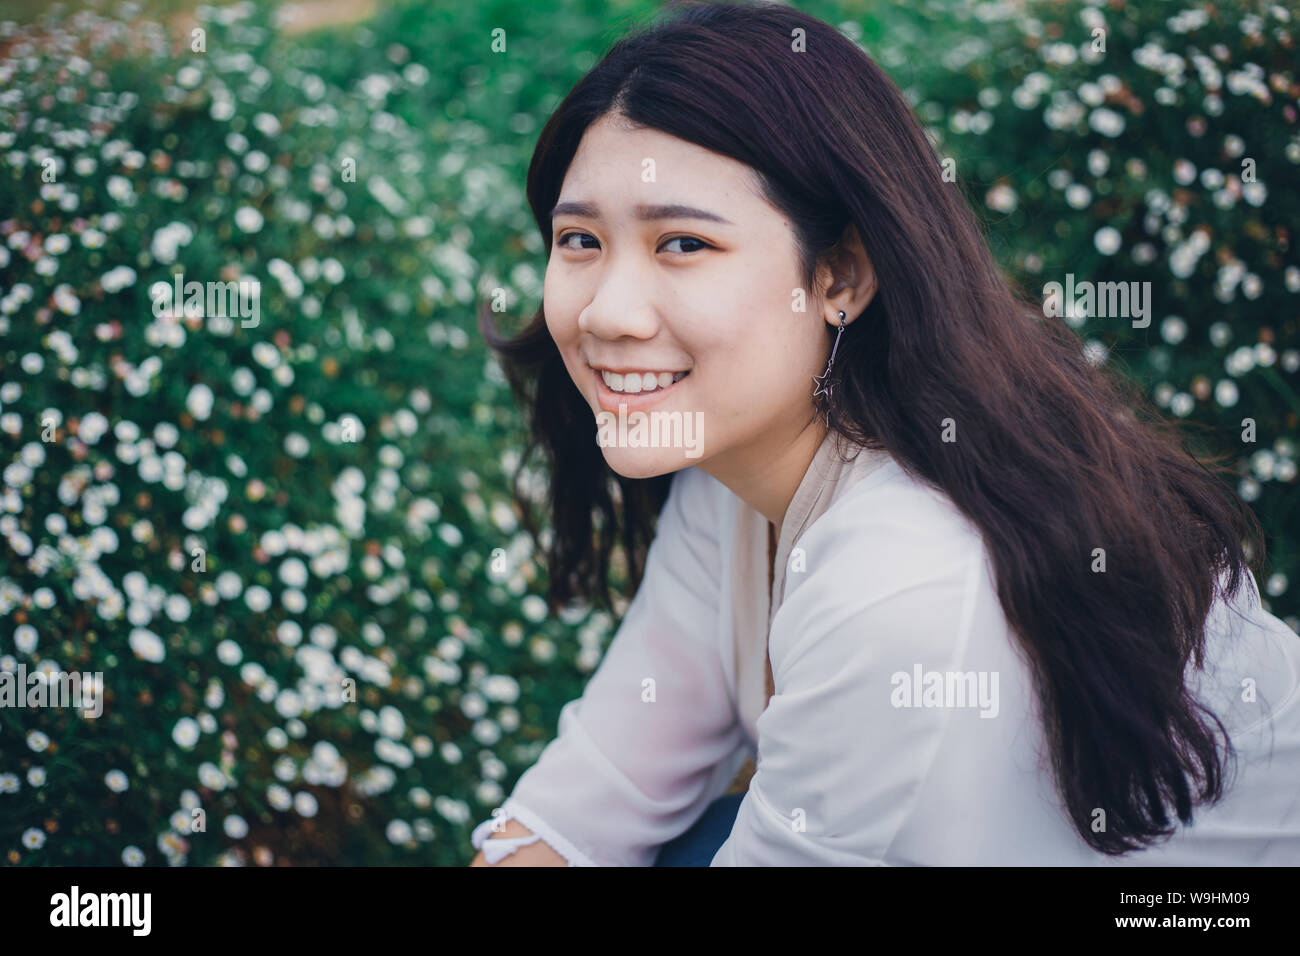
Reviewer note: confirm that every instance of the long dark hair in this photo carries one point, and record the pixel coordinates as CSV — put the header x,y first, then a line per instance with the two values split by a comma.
x,y
1054,457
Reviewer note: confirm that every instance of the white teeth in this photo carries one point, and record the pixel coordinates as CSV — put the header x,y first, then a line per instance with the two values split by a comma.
x,y
636,382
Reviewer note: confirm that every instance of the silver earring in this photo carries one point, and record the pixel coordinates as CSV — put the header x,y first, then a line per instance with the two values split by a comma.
x,y
822,388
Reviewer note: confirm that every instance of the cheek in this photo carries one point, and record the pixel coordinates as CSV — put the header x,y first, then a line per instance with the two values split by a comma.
x,y
768,367
560,310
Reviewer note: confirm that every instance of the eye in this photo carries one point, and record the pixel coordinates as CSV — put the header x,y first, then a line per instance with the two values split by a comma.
x,y
562,240
700,242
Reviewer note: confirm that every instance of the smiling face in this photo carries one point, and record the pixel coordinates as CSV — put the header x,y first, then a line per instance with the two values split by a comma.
x,y
669,291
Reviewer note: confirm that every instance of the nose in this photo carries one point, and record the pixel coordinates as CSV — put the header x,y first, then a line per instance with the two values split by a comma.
x,y
621,306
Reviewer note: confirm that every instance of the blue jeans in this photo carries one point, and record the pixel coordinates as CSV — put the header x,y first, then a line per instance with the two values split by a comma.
x,y
698,845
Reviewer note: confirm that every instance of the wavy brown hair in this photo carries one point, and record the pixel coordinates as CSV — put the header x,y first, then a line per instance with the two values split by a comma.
x,y
1055,457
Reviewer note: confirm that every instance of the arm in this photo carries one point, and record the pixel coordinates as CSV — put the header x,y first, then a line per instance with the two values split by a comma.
x,y
654,736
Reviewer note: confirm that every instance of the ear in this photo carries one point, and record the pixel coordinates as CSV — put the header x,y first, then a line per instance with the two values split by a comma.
x,y
847,279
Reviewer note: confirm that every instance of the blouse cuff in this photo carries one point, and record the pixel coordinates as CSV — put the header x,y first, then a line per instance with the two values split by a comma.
x,y
495,850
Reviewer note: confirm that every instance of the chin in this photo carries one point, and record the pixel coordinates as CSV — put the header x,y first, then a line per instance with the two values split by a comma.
x,y
646,462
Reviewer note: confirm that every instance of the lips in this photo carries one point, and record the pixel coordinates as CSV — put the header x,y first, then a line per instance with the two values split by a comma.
x,y
610,400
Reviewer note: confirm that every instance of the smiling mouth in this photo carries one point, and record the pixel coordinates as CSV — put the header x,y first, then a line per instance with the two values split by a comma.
x,y
660,385
610,400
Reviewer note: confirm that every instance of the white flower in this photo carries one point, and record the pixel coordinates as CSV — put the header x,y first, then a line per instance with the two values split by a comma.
x,y
178,608
391,722
116,781
168,239
266,124
228,585
147,645
1077,195
33,838
92,428
37,741
242,381
1173,329
199,402
278,797
248,219
133,856
1106,121
398,831
1107,240
305,803
25,638
1001,198
288,703
119,187
501,687
229,653
117,279
257,598
211,777
293,573
186,732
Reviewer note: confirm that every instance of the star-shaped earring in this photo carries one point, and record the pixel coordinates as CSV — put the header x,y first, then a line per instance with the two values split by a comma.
x,y
821,380
824,389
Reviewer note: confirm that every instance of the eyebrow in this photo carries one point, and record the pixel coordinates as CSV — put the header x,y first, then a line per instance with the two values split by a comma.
x,y
645,213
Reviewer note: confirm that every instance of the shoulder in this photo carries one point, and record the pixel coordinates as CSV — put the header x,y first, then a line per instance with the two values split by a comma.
x,y
892,526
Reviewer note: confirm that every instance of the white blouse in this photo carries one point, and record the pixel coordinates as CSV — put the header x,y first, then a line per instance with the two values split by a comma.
x,y
904,729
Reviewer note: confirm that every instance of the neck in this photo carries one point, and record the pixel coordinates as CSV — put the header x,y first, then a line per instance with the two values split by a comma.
x,y
766,475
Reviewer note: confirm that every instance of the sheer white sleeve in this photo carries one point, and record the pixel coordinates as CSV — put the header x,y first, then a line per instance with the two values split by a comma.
x,y
655,736
497,849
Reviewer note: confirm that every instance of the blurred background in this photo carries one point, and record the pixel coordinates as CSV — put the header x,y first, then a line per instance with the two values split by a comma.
x,y
289,545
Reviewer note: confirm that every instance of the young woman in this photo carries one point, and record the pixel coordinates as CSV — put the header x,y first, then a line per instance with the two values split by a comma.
x,y
919,559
